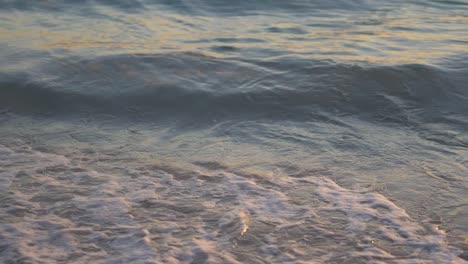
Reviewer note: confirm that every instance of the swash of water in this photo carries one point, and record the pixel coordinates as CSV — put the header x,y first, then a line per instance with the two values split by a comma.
x,y
215,131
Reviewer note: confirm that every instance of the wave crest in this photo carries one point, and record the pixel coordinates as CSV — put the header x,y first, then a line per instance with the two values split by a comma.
x,y
196,85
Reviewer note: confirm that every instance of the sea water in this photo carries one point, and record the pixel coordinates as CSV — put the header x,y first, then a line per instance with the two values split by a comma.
x,y
215,131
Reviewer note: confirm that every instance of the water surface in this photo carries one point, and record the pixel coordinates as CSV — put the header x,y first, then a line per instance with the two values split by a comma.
x,y
213,131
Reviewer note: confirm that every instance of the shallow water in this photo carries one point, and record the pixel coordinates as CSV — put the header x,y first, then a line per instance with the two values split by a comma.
x,y
220,132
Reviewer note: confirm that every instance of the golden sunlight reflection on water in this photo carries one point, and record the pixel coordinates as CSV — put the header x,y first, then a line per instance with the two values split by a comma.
x,y
380,40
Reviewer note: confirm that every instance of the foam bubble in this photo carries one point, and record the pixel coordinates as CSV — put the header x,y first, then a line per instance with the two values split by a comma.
x,y
389,231
57,209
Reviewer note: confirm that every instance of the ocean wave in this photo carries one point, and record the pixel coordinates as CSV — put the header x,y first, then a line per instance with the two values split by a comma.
x,y
196,85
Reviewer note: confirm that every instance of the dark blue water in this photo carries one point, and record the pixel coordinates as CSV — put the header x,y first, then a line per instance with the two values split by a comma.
x,y
212,131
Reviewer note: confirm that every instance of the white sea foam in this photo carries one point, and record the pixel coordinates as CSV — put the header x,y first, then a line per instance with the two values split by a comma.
x,y
389,230
54,210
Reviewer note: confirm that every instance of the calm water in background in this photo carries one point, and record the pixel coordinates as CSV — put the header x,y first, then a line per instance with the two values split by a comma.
x,y
233,131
